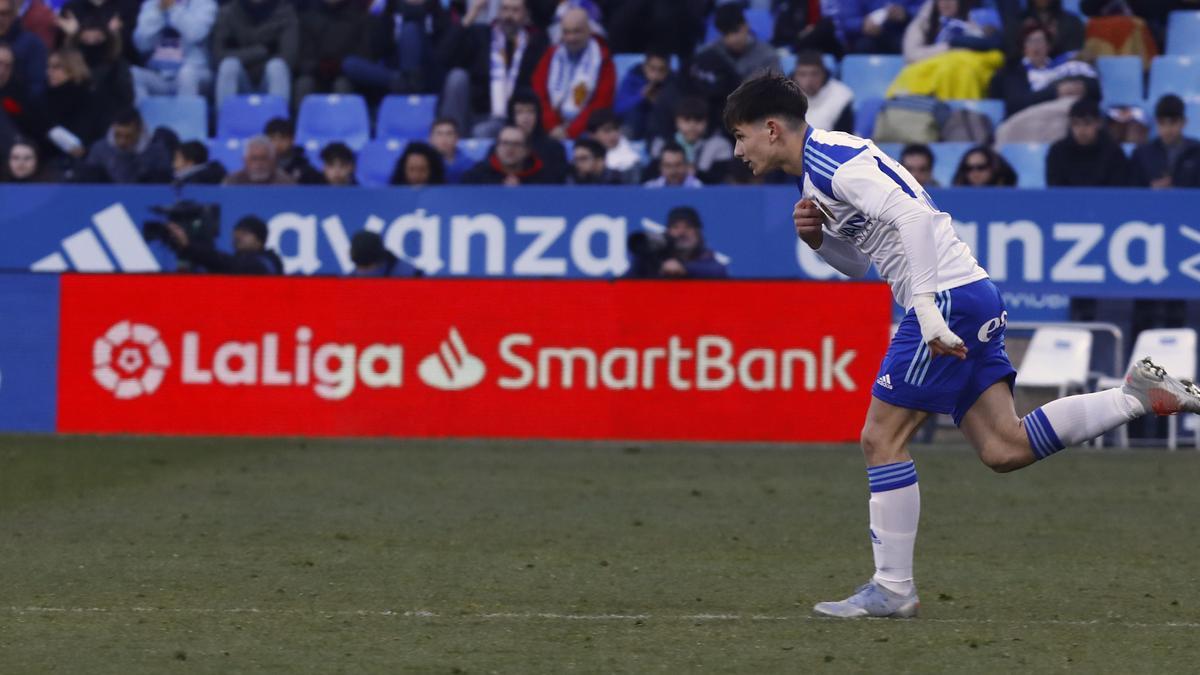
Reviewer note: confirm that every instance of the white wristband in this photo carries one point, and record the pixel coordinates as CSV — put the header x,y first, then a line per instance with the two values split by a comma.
x,y
933,325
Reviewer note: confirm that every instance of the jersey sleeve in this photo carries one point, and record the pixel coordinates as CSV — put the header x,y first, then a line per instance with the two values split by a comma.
x,y
879,193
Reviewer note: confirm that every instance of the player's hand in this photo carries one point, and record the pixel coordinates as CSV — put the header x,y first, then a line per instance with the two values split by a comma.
x,y
939,347
808,219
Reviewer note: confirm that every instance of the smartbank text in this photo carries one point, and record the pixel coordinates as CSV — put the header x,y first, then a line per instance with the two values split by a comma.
x,y
335,369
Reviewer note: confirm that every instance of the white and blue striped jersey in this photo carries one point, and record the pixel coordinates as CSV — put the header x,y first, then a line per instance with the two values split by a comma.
x,y
876,211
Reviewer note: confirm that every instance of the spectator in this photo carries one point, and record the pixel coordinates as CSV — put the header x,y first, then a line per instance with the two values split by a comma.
x,y
682,253
23,165
118,17
710,156
872,26
250,252
647,96
674,169
173,37
1064,29
260,167
127,154
983,167
830,102
511,162
587,164
291,158
331,31
112,80
191,165
1087,157
74,117
419,165
17,107
338,163
589,7
942,25
28,52
574,78
400,57
372,259
804,25
443,136
619,154
1156,162
1038,78
675,27
737,45
40,20
489,64
917,159
525,111
256,44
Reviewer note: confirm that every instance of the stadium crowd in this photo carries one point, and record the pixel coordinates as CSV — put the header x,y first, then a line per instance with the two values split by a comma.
x,y
534,86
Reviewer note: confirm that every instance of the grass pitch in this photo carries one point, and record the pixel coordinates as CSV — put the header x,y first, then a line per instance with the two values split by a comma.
x,y
221,556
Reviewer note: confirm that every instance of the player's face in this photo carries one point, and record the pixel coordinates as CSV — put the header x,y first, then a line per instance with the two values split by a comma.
x,y
754,147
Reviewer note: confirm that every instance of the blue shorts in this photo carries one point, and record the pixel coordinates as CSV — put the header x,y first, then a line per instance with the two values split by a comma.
x,y
910,378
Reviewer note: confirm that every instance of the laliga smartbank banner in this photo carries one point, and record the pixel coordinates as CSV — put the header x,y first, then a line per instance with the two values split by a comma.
x,y
555,359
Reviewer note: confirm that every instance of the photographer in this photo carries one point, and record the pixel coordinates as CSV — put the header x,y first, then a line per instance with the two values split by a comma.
x,y
681,253
372,259
250,255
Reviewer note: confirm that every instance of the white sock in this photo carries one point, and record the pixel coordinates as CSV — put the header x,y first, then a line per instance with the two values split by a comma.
x,y
1075,419
895,508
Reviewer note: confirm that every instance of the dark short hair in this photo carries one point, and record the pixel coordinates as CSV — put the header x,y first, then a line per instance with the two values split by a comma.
x,y
657,52
691,108
811,57
686,214
280,126
729,18
127,117
437,165
591,145
672,146
917,149
601,118
337,151
1169,107
254,225
445,120
766,95
193,151
1085,108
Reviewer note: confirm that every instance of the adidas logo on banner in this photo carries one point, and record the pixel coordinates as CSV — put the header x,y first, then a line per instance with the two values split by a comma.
x,y
885,381
87,254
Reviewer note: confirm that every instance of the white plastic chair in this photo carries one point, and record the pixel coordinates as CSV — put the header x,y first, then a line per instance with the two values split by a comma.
x,y
1057,357
1175,350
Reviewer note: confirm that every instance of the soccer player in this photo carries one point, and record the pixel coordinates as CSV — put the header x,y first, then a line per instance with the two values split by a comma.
x,y
857,208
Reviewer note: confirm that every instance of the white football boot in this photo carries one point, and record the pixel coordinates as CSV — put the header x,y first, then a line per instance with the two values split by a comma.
x,y
1159,392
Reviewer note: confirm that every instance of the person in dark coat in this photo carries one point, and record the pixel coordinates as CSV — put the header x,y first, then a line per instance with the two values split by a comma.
x,y
29,54
1036,77
1156,162
191,165
1087,157
525,111
128,154
681,254
250,253
330,31
372,259
512,162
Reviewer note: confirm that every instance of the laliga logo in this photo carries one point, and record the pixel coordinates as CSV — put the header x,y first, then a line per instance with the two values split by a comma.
x,y
452,367
129,360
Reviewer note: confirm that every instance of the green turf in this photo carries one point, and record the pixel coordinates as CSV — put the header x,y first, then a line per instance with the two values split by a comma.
x,y
221,556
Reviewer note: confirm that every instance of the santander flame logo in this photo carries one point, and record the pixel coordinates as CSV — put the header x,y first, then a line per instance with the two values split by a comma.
x,y
452,367
129,360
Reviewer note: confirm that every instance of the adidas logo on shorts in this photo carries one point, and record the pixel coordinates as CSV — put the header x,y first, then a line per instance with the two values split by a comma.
x,y
885,381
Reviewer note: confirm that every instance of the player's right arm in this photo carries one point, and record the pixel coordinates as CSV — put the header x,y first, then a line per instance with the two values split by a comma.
x,y
841,255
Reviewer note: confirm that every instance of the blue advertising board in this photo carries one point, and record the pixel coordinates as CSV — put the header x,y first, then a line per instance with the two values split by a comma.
x,y
28,351
1041,246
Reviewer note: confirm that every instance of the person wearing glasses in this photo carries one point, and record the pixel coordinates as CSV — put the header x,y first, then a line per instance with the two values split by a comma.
x,y
983,167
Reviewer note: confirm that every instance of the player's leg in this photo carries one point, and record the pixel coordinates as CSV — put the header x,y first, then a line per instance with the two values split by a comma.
x,y
895,509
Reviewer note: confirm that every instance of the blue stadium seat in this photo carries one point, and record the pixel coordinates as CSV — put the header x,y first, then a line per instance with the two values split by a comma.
x,y
1029,161
891,149
377,161
1191,108
405,117
227,151
333,117
865,110
1179,75
187,116
1072,6
762,24
946,157
1121,79
1183,32
869,75
623,63
247,116
991,107
475,148
787,63
643,152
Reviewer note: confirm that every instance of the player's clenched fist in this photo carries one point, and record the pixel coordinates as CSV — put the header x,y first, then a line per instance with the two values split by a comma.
x,y
808,219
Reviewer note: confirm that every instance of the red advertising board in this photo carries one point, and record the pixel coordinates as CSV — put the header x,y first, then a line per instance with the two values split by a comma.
x,y
747,360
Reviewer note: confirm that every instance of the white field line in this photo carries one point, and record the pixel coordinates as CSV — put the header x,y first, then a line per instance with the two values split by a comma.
x,y
562,616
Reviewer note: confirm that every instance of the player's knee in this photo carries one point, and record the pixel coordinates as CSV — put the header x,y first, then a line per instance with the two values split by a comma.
x,y
1003,457
879,447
